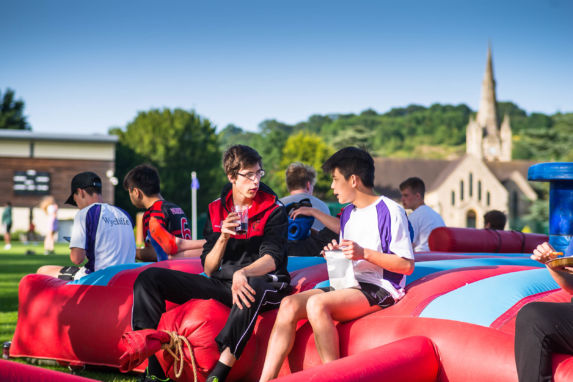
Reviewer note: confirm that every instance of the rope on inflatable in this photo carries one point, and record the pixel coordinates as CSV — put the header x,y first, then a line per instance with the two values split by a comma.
x,y
175,348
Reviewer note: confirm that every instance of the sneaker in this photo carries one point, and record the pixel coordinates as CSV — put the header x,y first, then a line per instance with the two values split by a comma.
x,y
8,246
146,377
165,239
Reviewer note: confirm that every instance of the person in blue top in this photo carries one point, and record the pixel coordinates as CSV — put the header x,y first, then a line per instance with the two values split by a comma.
x,y
102,234
375,235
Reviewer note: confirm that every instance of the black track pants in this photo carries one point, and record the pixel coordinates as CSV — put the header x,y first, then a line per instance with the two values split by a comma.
x,y
541,329
154,286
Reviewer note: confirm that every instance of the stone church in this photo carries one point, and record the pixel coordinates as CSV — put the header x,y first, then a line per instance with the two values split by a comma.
x,y
485,178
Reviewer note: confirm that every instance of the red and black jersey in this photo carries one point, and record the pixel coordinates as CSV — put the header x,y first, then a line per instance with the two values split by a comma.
x,y
170,216
266,234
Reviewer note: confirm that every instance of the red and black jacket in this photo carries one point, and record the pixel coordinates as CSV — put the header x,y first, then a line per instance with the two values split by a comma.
x,y
266,234
170,216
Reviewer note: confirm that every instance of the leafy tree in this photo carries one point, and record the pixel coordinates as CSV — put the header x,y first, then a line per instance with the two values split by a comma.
x,y
269,143
309,149
12,112
176,142
232,135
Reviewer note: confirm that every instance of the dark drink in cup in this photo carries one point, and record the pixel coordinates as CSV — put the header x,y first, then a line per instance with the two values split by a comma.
x,y
241,229
243,220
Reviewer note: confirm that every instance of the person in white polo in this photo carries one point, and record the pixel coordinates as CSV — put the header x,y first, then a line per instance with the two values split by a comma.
x,y
102,234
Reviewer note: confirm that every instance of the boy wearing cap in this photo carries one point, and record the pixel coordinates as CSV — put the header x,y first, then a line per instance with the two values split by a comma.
x,y
102,233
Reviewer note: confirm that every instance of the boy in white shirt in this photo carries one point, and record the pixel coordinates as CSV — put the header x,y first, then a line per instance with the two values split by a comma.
x,y
374,234
102,233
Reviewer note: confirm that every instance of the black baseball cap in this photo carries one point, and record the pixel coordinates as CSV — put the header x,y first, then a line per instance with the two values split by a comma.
x,y
84,180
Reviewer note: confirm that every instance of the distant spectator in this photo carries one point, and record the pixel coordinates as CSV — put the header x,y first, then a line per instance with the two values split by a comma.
x,y
423,218
48,204
494,219
101,233
7,223
300,181
142,183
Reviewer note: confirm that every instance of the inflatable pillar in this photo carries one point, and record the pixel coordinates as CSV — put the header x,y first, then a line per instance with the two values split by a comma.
x,y
560,178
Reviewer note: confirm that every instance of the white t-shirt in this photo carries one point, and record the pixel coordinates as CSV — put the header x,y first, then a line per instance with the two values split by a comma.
x,y
316,203
383,227
106,233
424,220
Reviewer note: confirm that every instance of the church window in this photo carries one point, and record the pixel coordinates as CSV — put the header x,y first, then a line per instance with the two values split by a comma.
x,y
471,185
487,198
471,219
479,190
461,190
453,197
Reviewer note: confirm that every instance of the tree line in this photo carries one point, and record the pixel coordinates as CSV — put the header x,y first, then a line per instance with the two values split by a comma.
x,y
179,141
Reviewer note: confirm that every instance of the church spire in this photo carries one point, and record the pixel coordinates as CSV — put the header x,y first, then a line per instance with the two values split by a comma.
x,y
487,115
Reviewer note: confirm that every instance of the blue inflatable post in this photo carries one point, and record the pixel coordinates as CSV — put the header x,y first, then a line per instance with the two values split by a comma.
x,y
560,178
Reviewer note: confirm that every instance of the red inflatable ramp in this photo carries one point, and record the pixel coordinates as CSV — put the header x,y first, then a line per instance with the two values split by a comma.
x,y
449,239
17,372
409,359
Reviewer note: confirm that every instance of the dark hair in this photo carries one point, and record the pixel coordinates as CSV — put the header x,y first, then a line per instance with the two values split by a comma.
x,y
352,161
91,190
144,177
240,156
298,175
495,218
415,184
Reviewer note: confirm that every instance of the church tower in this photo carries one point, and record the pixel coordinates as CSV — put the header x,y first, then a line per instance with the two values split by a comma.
x,y
484,139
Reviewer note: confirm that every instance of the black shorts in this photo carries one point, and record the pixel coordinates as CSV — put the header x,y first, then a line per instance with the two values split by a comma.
x,y
374,294
8,228
68,273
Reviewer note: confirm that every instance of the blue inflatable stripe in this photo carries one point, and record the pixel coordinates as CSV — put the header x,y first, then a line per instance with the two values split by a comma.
x,y
296,263
483,301
425,268
103,276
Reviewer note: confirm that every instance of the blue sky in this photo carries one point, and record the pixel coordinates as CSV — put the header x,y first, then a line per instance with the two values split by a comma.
x,y
85,66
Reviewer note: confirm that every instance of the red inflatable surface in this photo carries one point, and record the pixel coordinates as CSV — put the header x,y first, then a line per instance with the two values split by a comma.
x,y
449,239
463,304
17,372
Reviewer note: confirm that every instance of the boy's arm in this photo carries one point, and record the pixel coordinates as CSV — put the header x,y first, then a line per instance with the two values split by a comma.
x,y
77,255
146,254
330,222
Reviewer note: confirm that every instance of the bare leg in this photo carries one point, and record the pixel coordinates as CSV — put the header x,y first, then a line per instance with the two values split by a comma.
x,y
49,270
292,310
49,242
341,305
227,357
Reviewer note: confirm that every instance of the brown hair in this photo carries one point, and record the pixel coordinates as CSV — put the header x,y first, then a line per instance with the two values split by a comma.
x,y
240,156
415,184
298,175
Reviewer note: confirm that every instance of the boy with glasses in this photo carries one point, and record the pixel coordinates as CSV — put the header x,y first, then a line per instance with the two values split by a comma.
x,y
247,272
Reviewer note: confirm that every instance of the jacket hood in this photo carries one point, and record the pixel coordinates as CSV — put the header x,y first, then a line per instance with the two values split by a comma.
x,y
264,199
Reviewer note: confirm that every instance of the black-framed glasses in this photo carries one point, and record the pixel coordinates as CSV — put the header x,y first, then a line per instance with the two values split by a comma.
x,y
253,175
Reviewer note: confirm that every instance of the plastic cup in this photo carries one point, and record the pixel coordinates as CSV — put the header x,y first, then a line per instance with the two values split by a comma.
x,y
243,220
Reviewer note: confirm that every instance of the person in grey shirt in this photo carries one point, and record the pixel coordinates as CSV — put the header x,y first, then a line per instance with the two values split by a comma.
x,y
300,180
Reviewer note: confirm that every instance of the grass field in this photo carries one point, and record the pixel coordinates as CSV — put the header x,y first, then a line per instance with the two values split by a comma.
x,y
14,264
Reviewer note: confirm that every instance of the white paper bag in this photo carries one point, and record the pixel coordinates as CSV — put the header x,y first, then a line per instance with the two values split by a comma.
x,y
340,270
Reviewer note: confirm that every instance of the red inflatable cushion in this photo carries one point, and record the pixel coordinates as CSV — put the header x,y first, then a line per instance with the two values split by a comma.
x,y
409,359
449,239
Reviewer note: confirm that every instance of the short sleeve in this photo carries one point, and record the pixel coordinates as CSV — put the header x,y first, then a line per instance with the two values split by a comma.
x,y
78,238
400,243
